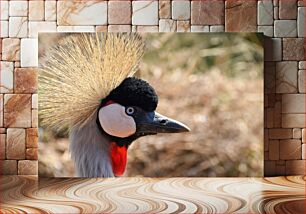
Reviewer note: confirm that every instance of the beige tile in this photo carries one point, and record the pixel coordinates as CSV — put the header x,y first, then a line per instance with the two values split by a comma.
x,y
297,133
18,8
4,10
301,3
295,167
134,28
301,81
7,75
11,49
303,151
290,149
275,3
285,28
145,13
36,10
183,26
35,101
265,12
303,135
17,110
301,22
119,28
180,10
25,80
207,12
275,13
240,15
216,28
28,167
50,10
4,29
29,53
15,144
8,167
293,49
287,9
101,28
17,64
164,9
18,27
32,138
35,118
199,28
167,25
286,77
293,103
147,28
119,12
302,65
293,120
82,12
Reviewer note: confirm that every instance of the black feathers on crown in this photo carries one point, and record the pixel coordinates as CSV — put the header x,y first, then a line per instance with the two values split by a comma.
x,y
134,92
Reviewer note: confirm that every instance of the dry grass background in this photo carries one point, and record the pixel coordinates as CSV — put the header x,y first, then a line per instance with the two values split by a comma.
x,y
211,82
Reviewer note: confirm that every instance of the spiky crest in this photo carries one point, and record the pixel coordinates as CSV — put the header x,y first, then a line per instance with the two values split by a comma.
x,y
80,71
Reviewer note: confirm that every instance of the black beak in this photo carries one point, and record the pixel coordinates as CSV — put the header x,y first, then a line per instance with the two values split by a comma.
x,y
153,123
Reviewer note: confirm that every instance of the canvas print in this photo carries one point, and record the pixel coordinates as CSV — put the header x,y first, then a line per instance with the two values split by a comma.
x,y
153,104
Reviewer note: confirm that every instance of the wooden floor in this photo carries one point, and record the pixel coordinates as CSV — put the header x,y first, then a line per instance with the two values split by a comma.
x,y
139,195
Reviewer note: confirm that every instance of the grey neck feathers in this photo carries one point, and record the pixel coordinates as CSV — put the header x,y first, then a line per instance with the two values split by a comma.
x,y
90,151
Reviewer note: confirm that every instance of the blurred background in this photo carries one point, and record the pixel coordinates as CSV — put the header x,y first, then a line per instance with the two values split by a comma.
x,y
213,82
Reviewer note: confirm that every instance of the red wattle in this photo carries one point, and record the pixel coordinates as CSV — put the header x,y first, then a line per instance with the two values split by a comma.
x,y
118,156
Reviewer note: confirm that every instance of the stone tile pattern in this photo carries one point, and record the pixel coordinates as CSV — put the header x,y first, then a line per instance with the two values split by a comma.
x,y
283,21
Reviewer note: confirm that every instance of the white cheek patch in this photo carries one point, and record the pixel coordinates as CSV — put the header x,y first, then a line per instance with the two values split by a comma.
x,y
116,122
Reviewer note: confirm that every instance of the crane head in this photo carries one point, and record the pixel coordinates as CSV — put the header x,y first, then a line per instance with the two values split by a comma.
x,y
128,113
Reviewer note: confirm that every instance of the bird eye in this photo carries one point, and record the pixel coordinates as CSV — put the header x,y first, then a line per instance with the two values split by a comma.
x,y
130,110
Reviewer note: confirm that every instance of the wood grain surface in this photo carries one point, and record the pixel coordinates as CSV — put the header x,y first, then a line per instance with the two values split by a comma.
x,y
153,195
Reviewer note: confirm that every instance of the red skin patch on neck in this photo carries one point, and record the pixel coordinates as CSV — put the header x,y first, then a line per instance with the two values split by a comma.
x,y
118,157
109,102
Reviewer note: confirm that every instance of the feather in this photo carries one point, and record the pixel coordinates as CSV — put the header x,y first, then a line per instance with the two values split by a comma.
x,y
80,71
90,151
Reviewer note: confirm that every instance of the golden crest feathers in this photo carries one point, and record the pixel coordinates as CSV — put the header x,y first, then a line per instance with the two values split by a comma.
x,y
80,71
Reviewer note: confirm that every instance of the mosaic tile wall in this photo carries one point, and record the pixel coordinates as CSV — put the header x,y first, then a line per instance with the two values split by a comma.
x,y
282,20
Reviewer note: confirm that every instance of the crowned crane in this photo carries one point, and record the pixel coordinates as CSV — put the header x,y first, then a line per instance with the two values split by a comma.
x,y
87,84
